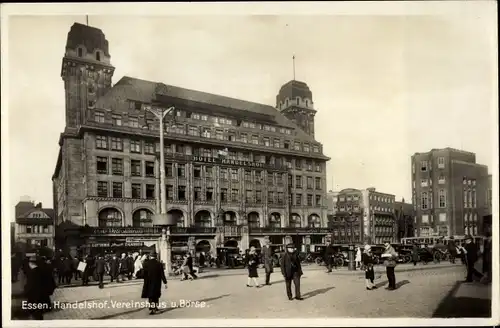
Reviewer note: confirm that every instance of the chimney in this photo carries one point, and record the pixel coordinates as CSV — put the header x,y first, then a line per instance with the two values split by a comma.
x,y
39,205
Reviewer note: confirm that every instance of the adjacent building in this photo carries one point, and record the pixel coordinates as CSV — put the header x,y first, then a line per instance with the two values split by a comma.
x,y
450,192
364,216
236,171
34,225
405,216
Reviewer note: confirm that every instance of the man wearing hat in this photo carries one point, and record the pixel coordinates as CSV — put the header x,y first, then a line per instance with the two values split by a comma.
x,y
100,267
292,271
39,286
267,256
154,274
390,257
471,256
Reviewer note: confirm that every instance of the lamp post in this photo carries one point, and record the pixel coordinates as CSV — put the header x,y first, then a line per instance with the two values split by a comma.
x,y
163,219
352,264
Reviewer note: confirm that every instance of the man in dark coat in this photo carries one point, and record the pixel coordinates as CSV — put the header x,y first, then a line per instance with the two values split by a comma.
x,y
59,264
100,267
39,286
89,269
130,266
114,265
267,258
329,251
292,271
154,274
452,249
68,269
471,256
77,273
123,269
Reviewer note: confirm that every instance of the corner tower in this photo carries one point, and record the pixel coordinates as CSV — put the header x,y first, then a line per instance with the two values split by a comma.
x,y
86,71
295,102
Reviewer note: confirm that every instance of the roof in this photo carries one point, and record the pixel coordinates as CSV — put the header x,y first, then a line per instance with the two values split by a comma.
x,y
293,89
130,88
27,208
92,38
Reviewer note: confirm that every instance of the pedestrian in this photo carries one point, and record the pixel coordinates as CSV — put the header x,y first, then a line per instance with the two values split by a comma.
x,y
471,256
452,249
358,258
292,271
252,263
130,266
368,263
267,257
68,269
414,254
123,269
201,259
38,289
114,265
329,251
100,267
154,274
60,270
76,262
87,272
390,258
137,266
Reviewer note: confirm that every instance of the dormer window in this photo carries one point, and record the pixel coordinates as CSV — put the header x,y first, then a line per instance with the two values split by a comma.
x,y
98,56
298,99
307,103
286,103
80,52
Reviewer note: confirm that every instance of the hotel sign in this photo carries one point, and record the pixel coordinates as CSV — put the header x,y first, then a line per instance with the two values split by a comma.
x,y
226,161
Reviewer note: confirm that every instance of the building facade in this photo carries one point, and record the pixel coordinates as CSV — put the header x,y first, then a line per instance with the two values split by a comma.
x,y
364,216
405,216
449,193
34,226
236,171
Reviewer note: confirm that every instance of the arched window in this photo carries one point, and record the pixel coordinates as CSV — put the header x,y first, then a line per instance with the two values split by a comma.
x,y
275,220
98,56
295,221
253,220
80,52
313,221
142,218
110,217
203,219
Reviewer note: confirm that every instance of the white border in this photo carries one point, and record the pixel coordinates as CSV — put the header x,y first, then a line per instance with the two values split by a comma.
x,y
481,9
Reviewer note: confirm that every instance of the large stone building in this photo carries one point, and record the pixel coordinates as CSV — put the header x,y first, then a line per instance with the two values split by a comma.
x,y
34,226
449,193
364,216
405,217
236,171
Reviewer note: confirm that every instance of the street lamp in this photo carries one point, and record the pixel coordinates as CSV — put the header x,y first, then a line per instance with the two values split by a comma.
x,y
352,264
163,219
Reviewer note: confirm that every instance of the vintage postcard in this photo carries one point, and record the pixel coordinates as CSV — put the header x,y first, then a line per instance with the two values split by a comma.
x,y
250,164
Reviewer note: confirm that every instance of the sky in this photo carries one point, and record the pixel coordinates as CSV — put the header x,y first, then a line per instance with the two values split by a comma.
x,y
384,86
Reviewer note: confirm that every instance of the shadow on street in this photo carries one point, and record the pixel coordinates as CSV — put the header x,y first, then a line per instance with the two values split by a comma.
x,y
462,307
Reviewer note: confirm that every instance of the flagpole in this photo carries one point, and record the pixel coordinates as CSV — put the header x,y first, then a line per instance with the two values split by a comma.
x,y
293,59
87,19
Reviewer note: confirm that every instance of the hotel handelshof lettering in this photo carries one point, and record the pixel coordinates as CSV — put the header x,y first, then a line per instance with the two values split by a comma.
x,y
237,172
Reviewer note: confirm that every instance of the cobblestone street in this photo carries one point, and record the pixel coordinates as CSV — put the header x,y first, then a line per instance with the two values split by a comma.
x,y
223,294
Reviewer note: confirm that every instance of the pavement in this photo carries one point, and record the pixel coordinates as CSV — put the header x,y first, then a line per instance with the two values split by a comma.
x,y
424,291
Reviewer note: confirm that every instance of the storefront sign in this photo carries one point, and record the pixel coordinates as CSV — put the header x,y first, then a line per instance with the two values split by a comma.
x,y
225,161
147,231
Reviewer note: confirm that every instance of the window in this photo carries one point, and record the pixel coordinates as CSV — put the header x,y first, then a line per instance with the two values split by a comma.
x,y
150,169
98,56
423,166
266,142
315,149
425,218
102,165
309,166
424,183
295,221
465,198
281,197
442,217
234,174
117,166
473,199
249,196
296,146
181,193
197,172
193,131
133,122
440,162
298,164
208,172
223,195
469,199
136,190
135,146
276,143
309,183
219,135
309,200
318,200
270,178
197,193
80,52
279,178
441,180
286,145
258,196
298,182
255,140
318,183
99,117
102,189
442,198
425,201
270,197
234,195
243,137
117,190
206,133
210,194
306,148
149,147
248,175
298,199
116,144
150,191
223,173
101,142
135,168
258,177
117,120
169,170
181,170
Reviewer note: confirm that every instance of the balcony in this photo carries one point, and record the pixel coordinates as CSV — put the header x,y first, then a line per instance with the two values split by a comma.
x,y
292,231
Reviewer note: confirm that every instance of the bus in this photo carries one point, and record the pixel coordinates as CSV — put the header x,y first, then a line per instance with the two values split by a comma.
x,y
433,240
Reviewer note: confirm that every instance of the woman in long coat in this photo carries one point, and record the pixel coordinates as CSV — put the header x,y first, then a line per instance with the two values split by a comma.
x,y
154,274
253,262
